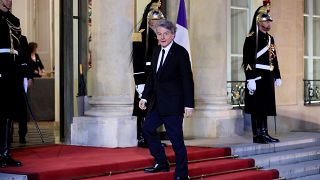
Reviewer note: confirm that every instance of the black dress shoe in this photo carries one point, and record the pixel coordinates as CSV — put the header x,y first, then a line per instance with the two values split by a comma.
x,y
182,178
9,161
270,139
22,140
164,145
142,143
260,139
3,164
158,168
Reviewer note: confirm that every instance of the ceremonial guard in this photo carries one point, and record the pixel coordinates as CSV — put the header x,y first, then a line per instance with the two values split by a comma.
x,y
262,73
144,42
10,82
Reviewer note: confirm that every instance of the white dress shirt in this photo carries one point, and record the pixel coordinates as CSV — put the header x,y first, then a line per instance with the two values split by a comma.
x,y
165,54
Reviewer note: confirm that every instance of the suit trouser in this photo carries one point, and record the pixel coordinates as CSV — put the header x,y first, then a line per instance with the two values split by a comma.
x,y
173,125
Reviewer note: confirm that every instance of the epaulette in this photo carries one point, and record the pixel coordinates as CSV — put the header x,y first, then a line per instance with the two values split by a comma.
x,y
250,34
136,37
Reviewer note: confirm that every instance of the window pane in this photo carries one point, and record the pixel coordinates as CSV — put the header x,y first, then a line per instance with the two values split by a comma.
x,y
306,52
306,69
316,7
239,3
316,69
316,36
237,73
306,7
238,30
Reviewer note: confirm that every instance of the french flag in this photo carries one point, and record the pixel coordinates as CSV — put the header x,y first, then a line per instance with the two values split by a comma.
x,y
182,35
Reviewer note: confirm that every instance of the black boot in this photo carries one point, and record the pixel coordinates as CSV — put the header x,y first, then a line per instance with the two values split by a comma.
x,y
256,131
22,140
254,126
6,159
265,132
268,137
141,141
259,138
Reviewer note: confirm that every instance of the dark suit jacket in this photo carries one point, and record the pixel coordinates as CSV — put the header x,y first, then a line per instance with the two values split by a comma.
x,y
172,89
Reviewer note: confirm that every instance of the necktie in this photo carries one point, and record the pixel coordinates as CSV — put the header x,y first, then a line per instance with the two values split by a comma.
x,y
161,61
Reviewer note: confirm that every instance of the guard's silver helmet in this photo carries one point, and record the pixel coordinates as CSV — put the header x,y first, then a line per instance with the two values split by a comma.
x,y
155,13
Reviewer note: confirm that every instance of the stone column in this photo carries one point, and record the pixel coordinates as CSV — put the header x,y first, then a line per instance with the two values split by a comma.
x,y
208,36
109,122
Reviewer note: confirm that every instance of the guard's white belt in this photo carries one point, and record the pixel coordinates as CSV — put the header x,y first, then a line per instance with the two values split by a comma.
x,y
138,73
7,50
261,66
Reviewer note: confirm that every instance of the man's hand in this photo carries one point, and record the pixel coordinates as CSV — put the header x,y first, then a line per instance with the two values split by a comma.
x,y
188,112
142,104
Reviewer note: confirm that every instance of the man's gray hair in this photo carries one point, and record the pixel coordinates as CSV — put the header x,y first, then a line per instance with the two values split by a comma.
x,y
167,25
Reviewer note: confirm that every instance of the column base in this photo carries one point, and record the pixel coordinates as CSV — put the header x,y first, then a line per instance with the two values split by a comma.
x,y
104,131
213,117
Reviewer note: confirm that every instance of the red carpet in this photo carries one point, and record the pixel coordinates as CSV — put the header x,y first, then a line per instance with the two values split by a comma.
x,y
73,162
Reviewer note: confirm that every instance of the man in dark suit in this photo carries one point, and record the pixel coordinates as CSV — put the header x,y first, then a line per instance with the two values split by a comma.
x,y
169,94
141,61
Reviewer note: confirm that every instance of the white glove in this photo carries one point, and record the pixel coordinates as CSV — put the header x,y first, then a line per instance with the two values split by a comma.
x,y
251,85
139,89
25,84
278,82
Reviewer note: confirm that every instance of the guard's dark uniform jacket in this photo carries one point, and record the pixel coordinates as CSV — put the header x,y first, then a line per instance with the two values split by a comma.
x,y
141,57
262,102
10,80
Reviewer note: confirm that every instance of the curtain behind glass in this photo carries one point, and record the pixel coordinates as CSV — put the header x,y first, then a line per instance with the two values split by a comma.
x,y
240,3
316,36
316,7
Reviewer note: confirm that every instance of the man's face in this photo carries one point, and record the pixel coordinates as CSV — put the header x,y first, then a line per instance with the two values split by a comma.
x,y
164,36
152,23
265,26
5,5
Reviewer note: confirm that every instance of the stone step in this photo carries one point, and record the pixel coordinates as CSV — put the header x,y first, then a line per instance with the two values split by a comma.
x,y
6,176
313,177
287,157
285,144
296,170
297,155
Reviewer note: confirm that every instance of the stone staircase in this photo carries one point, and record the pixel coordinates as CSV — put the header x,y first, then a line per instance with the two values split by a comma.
x,y
50,136
297,156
